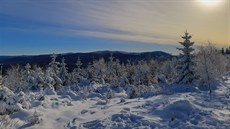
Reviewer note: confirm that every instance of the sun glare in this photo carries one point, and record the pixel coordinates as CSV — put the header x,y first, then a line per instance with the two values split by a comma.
x,y
210,2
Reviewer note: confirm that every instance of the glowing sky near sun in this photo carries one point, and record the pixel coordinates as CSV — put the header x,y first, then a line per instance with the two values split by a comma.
x,y
33,27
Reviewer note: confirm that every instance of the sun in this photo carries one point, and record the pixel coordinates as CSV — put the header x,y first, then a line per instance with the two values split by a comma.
x,y
210,2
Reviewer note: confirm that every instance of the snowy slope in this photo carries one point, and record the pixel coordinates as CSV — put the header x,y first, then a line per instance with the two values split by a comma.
x,y
182,110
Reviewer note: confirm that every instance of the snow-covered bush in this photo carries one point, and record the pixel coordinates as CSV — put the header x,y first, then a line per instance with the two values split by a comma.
x,y
110,94
14,78
35,119
66,91
6,122
228,62
131,92
23,99
50,90
8,102
122,100
210,64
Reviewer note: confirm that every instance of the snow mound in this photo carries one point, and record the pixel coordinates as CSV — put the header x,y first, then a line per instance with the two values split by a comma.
x,y
117,121
177,110
134,121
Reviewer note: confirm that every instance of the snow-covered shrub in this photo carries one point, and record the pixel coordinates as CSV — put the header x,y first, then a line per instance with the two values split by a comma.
x,y
35,119
50,90
131,92
110,94
8,102
6,122
228,62
102,102
122,100
141,91
210,64
14,78
66,91
23,100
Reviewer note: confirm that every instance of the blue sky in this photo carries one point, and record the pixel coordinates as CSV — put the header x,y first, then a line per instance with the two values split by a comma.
x,y
38,27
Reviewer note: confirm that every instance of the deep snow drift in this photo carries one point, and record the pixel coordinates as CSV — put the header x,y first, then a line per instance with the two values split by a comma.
x,y
173,109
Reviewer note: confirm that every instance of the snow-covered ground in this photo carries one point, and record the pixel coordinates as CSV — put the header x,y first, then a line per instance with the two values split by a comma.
x,y
195,109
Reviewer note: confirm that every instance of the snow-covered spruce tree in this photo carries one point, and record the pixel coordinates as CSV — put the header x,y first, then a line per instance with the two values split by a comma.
x,y
99,71
29,78
123,80
185,66
168,69
154,69
49,82
79,70
210,64
130,72
138,75
1,78
227,56
79,64
39,77
54,65
117,75
76,75
54,71
145,73
35,119
63,71
111,72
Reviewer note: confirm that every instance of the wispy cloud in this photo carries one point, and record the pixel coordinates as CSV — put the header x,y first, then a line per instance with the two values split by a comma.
x,y
140,21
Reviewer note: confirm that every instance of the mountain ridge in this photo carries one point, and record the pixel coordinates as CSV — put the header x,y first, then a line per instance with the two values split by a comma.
x,y
86,58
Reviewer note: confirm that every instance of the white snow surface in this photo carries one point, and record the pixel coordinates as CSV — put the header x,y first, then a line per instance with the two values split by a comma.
x,y
182,110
